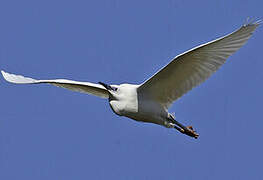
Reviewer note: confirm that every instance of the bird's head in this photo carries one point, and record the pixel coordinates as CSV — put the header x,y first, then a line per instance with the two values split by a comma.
x,y
121,92
113,90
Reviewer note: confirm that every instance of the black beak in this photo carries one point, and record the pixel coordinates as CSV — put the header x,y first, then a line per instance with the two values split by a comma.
x,y
108,87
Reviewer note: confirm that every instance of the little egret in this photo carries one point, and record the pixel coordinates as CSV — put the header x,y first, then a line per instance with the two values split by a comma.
x,y
149,101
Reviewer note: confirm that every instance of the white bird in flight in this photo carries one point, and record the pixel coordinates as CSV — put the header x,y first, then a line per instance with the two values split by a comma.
x,y
149,101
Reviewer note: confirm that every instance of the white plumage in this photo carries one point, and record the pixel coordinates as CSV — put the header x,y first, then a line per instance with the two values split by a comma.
x,y
84,87
149,102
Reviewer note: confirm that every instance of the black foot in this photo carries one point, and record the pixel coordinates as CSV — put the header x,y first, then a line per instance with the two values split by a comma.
x,y
190,132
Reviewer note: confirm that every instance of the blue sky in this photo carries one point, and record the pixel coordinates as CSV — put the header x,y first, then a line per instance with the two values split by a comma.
x,y
51,133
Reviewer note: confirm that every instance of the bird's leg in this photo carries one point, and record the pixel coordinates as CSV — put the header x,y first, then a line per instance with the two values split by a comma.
x,y
188,130
179,129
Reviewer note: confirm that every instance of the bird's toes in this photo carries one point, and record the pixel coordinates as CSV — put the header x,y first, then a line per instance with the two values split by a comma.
x,y
190,127
192,132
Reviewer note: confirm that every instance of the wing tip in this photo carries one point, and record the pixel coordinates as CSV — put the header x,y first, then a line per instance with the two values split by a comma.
x,y
17,79
3,72
5,75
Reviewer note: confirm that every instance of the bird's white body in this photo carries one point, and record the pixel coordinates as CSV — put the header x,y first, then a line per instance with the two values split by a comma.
x,y
126,101
149,101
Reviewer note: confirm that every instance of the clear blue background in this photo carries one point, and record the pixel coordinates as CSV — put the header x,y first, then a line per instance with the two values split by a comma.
x,y
51,133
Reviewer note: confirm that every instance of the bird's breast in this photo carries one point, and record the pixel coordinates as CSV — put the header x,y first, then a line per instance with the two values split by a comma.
x,y
124,108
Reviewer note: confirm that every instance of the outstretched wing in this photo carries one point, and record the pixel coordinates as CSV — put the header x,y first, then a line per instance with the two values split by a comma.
x,y
191,68
84,87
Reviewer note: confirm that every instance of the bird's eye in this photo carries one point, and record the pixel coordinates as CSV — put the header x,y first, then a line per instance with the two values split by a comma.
x,y
114,88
